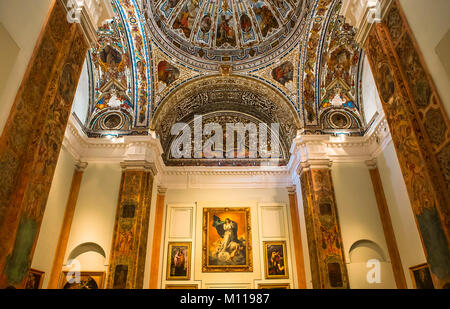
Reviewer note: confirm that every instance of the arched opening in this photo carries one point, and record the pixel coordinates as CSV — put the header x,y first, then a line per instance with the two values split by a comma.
x,y
224,100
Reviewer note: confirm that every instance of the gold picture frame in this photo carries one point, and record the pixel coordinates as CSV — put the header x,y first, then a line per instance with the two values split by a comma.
x,y
35,278
181,286
275,260
227,240
421,277
179,261
89,280
279,286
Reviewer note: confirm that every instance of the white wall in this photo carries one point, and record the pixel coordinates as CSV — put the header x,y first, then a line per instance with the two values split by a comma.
x,y
370,98
23,20
360,220
95,212
429,21
403,221
259,201
53,216
81,100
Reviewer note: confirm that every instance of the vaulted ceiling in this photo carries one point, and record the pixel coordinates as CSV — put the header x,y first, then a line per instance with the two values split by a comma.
x,y
289,61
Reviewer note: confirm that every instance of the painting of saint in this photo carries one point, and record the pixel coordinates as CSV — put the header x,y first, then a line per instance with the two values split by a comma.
x,y
226,240
178,263
283,73
225,31
185,19
421,277
266,20
167,73
110,56
246,23
275,260
205,24
35,279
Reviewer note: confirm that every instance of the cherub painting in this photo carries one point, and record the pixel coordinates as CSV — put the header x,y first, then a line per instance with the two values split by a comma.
x,y
227,240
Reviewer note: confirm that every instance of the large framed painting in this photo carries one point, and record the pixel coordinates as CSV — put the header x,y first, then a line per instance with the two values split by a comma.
x,y
227,240
275,260
179,261
35,279
421,277
84,280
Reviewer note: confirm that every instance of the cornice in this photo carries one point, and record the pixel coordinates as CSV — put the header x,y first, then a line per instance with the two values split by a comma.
x,y
308,151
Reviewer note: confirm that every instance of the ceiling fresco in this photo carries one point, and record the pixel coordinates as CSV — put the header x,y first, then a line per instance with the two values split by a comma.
x,y
243,33
300,51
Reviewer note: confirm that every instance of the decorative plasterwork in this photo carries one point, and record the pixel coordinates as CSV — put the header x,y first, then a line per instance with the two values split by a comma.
x,y
226,93
306,150
206,33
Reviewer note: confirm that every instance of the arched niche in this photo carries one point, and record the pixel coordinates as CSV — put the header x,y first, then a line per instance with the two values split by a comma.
x,y
88,255
364,250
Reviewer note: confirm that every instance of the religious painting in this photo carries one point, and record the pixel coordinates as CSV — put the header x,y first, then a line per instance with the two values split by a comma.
x,y
178,261
265,18
81,280
275,260
167,73
185,20
421,277
284,73
225,30
35,279
227,243
280,286
181,286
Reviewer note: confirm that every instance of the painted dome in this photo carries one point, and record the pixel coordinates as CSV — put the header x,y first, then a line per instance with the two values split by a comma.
x,y
204,33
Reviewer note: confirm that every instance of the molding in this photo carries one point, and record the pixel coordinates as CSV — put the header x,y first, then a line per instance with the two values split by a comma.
x,y
81,166
308,151
366,23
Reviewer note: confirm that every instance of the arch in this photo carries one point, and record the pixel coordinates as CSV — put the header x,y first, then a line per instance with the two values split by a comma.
x,y
84,248
235,93
367,248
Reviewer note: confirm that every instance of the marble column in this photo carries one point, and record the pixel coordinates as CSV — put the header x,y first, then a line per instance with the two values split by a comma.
x,y
64,234
391,242
328,268
32,139
129,244
296,231
420,131
157,238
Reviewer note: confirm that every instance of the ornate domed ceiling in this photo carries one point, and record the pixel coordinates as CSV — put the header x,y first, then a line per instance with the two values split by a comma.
x,y
244,33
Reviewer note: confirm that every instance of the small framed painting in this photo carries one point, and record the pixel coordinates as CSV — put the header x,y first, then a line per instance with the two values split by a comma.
x,y
275,260
227,241
181,286
421,276
84,280
35,279
281,286
179,261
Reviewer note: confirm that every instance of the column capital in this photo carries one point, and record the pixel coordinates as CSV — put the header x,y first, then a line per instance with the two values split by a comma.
x,y
292,190
139,165
81,166
162,190
371,164
314,164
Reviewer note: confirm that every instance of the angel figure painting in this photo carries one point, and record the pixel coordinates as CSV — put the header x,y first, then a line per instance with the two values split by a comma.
x,y
226,240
